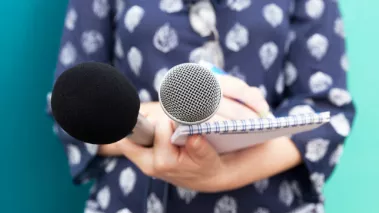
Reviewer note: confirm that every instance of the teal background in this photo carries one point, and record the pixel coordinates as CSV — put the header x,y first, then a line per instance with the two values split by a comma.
x,y
34,174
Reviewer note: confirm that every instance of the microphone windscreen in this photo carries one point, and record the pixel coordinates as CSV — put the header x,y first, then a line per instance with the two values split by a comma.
x,y
95,103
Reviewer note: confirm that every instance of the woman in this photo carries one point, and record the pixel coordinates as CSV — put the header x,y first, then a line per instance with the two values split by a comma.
x,y
293,51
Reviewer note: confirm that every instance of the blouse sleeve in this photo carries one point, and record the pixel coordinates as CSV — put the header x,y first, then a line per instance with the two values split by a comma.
x,y
315,81
87,36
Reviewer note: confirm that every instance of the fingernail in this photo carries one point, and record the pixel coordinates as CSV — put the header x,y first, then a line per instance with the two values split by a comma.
x,y
266,114
196,143
263,114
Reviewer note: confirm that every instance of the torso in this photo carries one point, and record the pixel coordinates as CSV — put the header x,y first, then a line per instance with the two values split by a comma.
x,y
254,41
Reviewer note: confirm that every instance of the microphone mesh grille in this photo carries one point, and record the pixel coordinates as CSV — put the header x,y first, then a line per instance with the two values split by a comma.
x,y
190,93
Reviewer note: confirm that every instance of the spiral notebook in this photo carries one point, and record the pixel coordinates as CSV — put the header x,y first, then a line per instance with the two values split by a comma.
x,y
231,135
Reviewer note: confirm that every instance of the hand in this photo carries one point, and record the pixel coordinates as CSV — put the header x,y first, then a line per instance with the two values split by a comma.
x,y
195,166
152,110
240,101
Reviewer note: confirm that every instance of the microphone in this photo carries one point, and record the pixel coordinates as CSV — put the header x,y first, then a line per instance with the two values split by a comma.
x,y
95,103
190,94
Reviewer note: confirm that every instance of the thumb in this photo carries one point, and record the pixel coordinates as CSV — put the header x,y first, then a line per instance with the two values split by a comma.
x,y
199,149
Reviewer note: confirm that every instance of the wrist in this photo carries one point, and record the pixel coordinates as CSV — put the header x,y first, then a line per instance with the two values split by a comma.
x,y
220,181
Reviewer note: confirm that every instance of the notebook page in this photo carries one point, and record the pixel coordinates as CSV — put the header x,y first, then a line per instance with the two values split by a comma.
x,y
228,136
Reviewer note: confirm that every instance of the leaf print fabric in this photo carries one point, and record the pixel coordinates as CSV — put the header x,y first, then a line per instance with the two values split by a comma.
x,y
293,51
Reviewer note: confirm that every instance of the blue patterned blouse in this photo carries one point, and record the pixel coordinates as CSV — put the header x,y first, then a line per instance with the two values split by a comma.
x,y
293,50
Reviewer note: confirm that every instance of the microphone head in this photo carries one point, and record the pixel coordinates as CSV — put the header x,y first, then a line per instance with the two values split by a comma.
x,y
190,94
95,103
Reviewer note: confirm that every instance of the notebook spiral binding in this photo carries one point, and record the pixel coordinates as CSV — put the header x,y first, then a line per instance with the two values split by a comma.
x,y
257,124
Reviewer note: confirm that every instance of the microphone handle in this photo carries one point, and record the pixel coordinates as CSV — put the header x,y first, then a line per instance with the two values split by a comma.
x,y
143,132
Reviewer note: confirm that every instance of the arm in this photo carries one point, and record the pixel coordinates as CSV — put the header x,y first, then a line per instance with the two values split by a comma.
x,y
310,75
87,36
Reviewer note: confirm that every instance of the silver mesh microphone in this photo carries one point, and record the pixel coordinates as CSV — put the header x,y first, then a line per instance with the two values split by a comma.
x,y
190,94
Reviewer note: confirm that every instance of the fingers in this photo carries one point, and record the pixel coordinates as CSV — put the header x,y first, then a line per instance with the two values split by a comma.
x,y
199,150
238,90
165,153
254,99
142,157
231,86
230,109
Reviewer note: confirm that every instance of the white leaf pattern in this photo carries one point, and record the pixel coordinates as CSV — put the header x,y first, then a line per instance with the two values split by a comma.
x,y
159,78
120,6
238,5
235,72
306,208
202,18
93,188
103,197
71,18
92,204
296,189
336,155
210,52
263,90
88,210
273,14
300,109
186,194
291,7
340,124
154,205
286,195
268,54
339,97
166,38
318,45
279,86
316,149
261,210
171,6
92,41
91,148
226,204
74,155
133,17
100,8
261,185
339,27
111,164
290,73
290,38
314,8
318,180
237,38
320,208
125,210
309,101
119,50
127,180
135,60
320,82
68,54
344,63
144,95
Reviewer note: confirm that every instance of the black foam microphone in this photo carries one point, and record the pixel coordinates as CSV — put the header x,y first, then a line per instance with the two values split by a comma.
x,y
95,103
